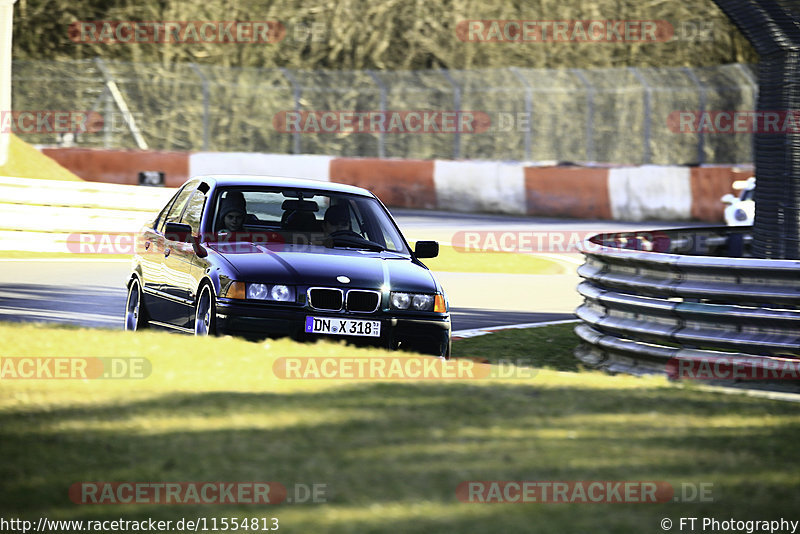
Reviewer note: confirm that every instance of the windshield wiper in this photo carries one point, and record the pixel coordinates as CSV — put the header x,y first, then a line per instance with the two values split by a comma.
x,y
353,242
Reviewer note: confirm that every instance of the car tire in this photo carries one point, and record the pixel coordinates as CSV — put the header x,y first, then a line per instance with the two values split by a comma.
x,y
205,313
136,317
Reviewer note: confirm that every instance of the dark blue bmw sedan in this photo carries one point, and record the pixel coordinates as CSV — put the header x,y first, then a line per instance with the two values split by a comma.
x,y
268,257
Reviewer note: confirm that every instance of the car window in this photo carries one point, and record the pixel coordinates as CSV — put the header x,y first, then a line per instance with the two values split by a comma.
x,y
299,214
175,211
161,214
264,208
376,226
265,205
194,210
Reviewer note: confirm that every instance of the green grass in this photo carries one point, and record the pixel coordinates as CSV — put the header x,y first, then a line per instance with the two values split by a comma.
x,y
391,453
451,260
549,347
24,161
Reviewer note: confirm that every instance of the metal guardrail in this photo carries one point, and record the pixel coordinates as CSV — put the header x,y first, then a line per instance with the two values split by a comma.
x,y
652,297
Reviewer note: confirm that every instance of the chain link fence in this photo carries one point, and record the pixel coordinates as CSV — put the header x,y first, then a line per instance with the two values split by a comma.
x,y
613,115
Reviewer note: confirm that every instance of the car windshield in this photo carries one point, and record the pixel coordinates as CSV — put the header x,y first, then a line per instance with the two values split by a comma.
x,y
303,216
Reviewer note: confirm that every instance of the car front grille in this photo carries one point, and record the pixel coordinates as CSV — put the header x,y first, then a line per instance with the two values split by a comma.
x,y
323,298
363,301
334,299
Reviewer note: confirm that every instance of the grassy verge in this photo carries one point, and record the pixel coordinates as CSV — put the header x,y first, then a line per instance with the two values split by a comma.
x,y
549,347
24,161
390,452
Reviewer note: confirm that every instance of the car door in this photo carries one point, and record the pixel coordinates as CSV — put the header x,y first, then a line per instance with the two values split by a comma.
x,y
165,309
179,258
151,251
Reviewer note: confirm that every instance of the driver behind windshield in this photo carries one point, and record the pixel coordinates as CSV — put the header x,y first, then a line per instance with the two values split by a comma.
x,y
233,220
337,220
232,212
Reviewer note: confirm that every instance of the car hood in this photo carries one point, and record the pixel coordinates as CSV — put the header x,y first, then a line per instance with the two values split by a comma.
x,y
320,266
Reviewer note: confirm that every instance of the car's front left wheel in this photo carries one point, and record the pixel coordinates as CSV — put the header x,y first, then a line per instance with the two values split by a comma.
x,y
205,314
135,313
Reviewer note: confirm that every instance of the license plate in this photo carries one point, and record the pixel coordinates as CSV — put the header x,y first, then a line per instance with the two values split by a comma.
x,y
343,327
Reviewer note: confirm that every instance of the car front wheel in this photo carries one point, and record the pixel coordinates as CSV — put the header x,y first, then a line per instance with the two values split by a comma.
x,y
135,313
204,313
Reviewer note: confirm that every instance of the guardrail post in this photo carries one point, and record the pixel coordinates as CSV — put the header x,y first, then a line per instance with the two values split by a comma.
x,y
457,106
119,100
589,113
646,157
296,148
204,80
528,111
701,136
381,134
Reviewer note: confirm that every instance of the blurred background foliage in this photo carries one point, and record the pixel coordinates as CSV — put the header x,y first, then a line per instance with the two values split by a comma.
x,y
385,34
604,102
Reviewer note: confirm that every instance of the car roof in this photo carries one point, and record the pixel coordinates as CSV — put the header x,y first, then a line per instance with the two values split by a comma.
x,y
227,180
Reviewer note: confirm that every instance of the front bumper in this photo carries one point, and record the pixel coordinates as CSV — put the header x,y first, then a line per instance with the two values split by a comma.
x,y
425,333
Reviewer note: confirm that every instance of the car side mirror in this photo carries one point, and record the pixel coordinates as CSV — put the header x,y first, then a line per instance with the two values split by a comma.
x,y
426,249
179,232
728,198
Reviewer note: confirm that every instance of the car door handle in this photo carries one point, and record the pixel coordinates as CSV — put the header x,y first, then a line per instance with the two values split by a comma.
x,y
166,252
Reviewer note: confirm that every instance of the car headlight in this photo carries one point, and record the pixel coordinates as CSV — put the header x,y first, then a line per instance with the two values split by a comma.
x,y
253,291
401,301
414,301
280,293
257,291
422,302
